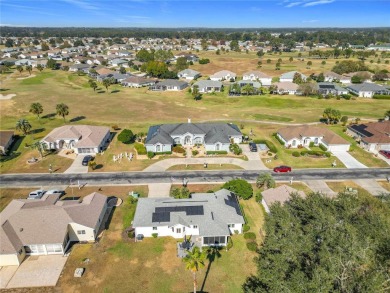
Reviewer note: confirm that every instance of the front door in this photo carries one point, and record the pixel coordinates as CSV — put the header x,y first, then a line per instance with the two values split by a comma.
x,y
187,140
158,148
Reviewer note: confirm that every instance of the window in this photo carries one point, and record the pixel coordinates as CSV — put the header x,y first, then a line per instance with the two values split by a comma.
x,y
154,228
178,230
80,232
195,227
214,240
231,225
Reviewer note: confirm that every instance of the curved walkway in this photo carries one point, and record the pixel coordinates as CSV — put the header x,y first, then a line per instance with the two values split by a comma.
x,y
254,162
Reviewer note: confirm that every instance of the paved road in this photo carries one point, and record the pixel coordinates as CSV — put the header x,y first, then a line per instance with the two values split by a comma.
x,y
37,180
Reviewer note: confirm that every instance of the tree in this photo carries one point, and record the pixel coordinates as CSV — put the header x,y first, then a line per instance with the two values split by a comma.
x,y
62,110
320,77
297,78
122,70
19,68
181,63
291,59
23,125
356,79
325,244
45,47
194,261
52,64
107,82
93,84
265,180
163,55
195,93
36,108
9,43
182,192
327,114
40,67
260,53
323,62
240,187
126,136
344,120
309,63
144,56
234,46
29,69
307,88
248,89
40,147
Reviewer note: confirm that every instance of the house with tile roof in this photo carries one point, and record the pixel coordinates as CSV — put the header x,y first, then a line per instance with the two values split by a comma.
x,y
223,75
83,139
213,136
372,137
303,135
48,225
280,194
259,76
208,218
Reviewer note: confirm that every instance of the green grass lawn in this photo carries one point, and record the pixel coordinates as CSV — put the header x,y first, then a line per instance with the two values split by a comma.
x,y
118,265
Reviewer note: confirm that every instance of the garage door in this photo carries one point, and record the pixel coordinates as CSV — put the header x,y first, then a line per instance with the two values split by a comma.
x,y
339,147
35,249
86,151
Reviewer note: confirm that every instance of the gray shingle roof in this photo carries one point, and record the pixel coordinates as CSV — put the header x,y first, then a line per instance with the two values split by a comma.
x,y
219,209
214,132
208,83
366,87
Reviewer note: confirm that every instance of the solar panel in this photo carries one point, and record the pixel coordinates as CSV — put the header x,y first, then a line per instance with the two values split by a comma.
x,y
161,217
189,210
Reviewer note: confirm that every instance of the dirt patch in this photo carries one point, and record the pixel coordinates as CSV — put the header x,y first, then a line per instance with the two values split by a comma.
x,y
149,264
7,97
26,77
134,261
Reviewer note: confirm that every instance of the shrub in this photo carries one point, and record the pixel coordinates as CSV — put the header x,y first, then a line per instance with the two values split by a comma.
x,y
115,127
204,61
252,246
236,232
131,234
381,97
126,136
259,196
311,144
151,155
235,149
245,228
250,235
182,192
217,152
178,149
195,152
316,153
296,154
154,235
165,153
240,187
323,147
346,96
140,148
229,244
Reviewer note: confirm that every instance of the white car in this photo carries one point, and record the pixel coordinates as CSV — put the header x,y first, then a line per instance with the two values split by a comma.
x,y
55,191
36,194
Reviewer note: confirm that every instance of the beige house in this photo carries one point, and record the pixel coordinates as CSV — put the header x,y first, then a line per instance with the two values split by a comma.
x,y
279,194
48,225
83,139
286,87
223,75
6,139
255,75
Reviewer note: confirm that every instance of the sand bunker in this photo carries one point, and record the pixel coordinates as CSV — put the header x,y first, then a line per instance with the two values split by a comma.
x,y
26,77
7,97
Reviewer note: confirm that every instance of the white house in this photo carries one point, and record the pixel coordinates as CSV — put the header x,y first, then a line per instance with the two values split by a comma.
x,y
169,85
263,78
188,74
289,76
303,135
209,86
48,225
367,90
214,136
286,87
223,75
83,139
209,218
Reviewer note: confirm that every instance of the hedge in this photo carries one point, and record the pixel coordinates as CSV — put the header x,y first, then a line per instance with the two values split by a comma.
x,y
268,143
245,228
178,149
217,152
140,148
323,147
381,97
151,155
278,139
315,153
296,154
252,246
165,153
250,235
126,136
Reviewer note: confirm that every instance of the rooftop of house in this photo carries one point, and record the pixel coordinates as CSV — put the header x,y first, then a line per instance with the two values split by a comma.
x,y
208,83
286,85
301,131
366,87
291,74
84,135
211,212
5,136
256,73
224,73
45,220
375,132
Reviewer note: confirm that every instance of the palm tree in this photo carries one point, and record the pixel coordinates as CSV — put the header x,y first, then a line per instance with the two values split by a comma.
x,y
29,69
23,125
40,147
327,114
194,262
265,180
62,110
19,68
37,109
40,67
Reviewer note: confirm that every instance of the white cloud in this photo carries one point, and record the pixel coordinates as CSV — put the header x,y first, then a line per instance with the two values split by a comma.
x,y
292,4
82,4
320,2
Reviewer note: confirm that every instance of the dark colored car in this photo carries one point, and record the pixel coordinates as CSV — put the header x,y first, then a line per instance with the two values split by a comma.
x,y
282,169
386,154
86,160
252,147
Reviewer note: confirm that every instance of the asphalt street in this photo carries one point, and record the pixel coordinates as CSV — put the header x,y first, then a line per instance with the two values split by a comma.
x,y
32,180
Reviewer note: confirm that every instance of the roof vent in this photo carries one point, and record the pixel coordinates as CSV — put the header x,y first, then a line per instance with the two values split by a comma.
x,y
21,230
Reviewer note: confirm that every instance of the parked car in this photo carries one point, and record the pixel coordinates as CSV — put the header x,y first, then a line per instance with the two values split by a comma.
x,y
282,169
55,191
36,194
384,153
86,160
252,147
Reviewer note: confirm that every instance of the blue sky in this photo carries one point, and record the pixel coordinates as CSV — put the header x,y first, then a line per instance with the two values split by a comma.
x,y
183,13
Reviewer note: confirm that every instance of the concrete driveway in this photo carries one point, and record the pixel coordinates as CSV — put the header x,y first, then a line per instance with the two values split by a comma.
x,y
159,189
77,167
371,185
35,271
349,161
321,187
